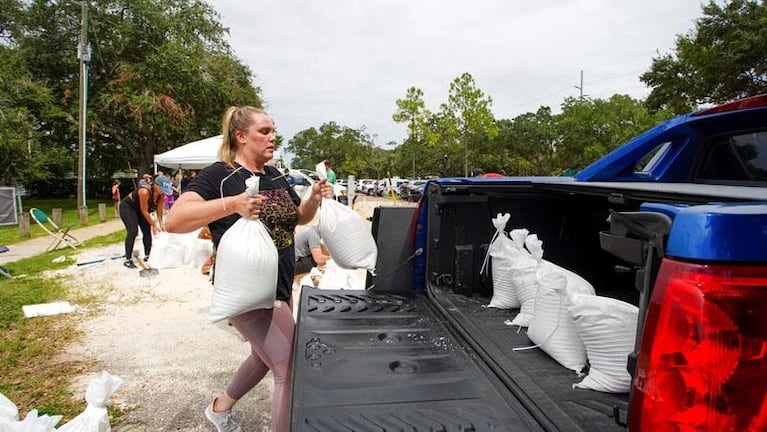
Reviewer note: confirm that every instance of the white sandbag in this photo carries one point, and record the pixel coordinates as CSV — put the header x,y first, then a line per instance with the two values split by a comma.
x,y
197,252
518,237
95,418
167,251
347,237
33,423
246,269
8,410
523,278
607,328
552,328
335,277
502,252
9,419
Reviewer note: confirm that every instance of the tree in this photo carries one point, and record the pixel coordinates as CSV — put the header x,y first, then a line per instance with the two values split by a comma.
x,y
412,110
23,103
160,73
469,109
589,128
723,58
348,149
536,138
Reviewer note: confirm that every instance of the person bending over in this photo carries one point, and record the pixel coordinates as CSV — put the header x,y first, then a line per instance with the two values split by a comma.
x,y
309,250
135,212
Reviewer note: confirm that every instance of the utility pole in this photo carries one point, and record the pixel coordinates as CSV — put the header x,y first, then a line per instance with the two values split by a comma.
x,y
84,54
580,87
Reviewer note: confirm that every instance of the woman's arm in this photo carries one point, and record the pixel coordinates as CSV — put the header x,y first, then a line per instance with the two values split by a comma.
x,y
143,201
191,211
319,257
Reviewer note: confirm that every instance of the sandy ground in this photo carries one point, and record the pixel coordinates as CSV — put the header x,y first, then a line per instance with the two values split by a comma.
x,y
153,333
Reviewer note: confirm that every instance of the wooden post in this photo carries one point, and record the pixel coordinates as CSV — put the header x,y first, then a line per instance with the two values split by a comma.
x,y
83,212
102,212
24,224
56,213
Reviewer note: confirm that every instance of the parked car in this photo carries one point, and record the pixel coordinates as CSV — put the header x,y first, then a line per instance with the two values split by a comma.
x,y
301,181
412,190
368,186
670,227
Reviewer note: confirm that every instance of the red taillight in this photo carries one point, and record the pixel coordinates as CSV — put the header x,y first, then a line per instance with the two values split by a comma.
x,y
703,361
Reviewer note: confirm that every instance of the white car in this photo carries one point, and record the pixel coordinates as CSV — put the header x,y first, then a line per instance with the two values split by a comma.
x,y
304,179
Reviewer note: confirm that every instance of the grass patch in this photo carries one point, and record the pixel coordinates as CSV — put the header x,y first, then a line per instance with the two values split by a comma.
x,y
70,217
35,371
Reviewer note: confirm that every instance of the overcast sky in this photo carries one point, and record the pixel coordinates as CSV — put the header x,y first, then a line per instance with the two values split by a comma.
x,y
348,61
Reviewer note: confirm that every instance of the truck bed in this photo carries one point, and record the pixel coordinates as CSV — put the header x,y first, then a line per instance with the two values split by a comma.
x,y
538,381
380,362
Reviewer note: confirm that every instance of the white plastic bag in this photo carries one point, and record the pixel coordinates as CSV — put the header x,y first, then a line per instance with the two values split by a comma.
x,y
503,252
336,277
9,413
246,268
9,419
347,237
95,418
33,423
167,251
552,327
608,329
523,277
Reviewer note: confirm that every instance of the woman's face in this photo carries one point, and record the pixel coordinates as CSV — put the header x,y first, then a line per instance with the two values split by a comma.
x,y
258,141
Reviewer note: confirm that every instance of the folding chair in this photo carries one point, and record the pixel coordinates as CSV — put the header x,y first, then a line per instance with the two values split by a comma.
x,y
4,271
59,234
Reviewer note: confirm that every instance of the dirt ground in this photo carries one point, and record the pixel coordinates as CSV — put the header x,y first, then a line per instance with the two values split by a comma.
x,y
153,333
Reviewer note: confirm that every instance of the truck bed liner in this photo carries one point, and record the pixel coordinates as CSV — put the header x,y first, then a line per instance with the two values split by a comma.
x,y
543,385
381,362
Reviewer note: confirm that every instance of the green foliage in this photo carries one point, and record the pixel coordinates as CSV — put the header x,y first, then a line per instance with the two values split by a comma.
x,y
590,128
468,110
350,151
160,72
723,58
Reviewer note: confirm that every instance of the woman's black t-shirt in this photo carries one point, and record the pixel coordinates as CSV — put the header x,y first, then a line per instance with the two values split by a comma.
x,y
279,212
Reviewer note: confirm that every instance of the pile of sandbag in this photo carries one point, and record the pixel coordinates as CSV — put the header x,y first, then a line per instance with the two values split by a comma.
x,y
563,316
94,419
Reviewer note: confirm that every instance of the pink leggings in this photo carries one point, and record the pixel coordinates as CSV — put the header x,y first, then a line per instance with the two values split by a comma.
x,y
270,333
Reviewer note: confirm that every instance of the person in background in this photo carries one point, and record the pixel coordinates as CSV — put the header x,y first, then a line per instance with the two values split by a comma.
x,y
171,198
116,196
331,175
135,212
217,198
145,180
291,180
188,177
309,250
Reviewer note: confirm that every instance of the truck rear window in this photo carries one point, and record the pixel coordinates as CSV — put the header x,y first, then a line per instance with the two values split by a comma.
x,y
738,158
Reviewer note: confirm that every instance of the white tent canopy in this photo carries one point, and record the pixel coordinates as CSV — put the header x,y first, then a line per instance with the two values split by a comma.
x,y
194,155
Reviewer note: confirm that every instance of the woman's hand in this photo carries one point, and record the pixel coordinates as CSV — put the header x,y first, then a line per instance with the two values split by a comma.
x,y
250,206
322,189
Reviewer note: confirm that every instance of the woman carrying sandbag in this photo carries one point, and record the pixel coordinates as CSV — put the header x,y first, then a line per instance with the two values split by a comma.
x,y
217,197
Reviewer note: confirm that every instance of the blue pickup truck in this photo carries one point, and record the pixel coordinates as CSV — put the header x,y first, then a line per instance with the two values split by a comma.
x,y
673,222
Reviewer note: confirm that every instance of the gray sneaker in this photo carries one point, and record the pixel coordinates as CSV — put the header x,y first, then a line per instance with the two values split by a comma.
x,y
223,421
